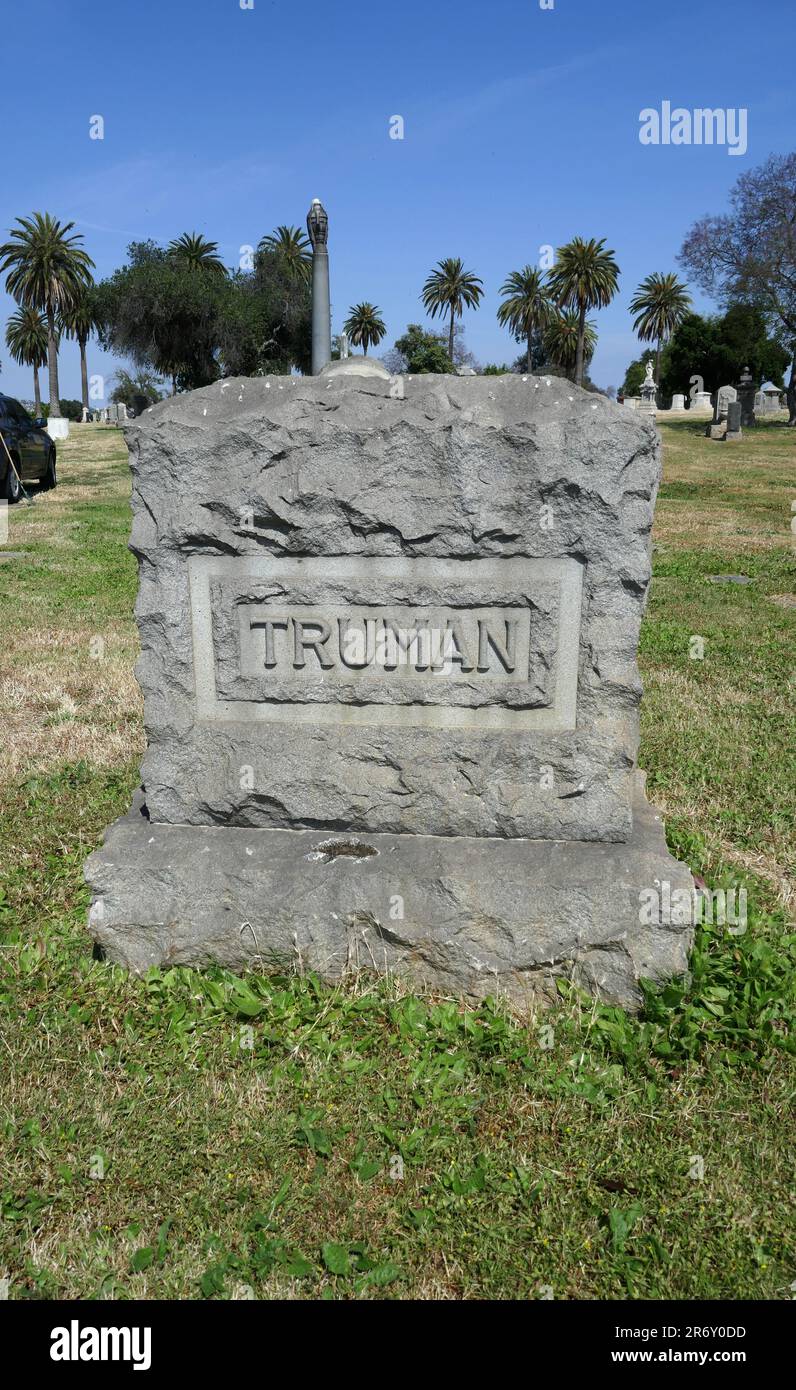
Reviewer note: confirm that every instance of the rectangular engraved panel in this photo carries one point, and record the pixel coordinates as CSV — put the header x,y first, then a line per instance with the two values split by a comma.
x,y
474,644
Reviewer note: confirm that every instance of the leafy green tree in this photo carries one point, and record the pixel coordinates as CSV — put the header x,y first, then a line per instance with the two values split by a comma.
x,y
48,269
418,352
526,307
162,315
634,376
26,336
585,276
746,341
78,322
718,348
748,255
266,321
195,252
127,387
365,325
293,248
565,338
660,304
451,289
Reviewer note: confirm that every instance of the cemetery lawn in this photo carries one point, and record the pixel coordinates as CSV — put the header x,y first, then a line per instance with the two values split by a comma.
x,y
372,1144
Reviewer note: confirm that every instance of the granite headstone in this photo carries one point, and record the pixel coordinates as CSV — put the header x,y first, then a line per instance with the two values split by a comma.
x,y
388,654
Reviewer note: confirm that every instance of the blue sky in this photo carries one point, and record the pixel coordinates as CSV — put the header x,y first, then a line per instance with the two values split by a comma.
x,y
521,130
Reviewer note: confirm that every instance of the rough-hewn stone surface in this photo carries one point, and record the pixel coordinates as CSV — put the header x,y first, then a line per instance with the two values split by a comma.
x,y
494,484
479,916
388,654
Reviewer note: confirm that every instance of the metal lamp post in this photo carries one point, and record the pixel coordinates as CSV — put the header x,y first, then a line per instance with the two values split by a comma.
x,y
318,228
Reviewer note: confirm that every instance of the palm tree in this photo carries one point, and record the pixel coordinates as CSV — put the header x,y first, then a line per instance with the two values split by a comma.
x,y
26,336
451,288
365,325
194,252
661,304
561,340
584,277
526,305
79,322
293,249
48,271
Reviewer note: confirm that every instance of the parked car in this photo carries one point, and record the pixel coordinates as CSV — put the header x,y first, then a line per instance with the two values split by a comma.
x,y
30,447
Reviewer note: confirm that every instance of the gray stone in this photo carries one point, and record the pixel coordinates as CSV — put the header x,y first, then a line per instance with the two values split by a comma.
x,y
715,431
391,607
746,398
772,398
478,917
734,411
678,404
318,500
724,396
358,365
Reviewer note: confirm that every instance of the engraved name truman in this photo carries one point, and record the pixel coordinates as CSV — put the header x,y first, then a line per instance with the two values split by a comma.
x,y
481,644
491,643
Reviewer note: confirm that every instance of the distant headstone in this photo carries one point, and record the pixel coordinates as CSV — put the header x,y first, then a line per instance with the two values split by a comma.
x,y
772,396
678,404
121,412
85,415
724,395
746,397
701,403
734,415
393,727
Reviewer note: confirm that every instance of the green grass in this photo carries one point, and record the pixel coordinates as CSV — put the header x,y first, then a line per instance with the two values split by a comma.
x,y
194,1135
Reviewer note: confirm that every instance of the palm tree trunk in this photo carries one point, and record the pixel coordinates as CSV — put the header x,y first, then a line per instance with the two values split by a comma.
x,y
83,373
36,391
528,362
450,336
173,384
52,364
791,391
579,351
658,364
